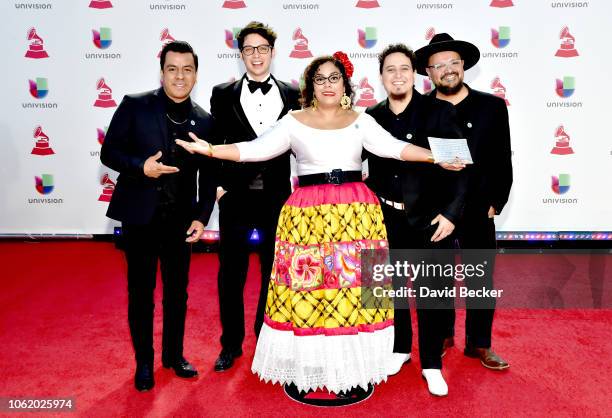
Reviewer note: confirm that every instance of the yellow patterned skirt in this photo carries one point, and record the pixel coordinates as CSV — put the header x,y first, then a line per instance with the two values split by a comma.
x,y
316,332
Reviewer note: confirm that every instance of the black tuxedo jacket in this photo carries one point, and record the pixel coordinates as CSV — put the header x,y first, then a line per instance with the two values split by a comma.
x,y
137,131
232,125
427,189
484,121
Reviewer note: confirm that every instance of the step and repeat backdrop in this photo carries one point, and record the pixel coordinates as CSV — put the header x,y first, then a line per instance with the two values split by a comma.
x,y
68,63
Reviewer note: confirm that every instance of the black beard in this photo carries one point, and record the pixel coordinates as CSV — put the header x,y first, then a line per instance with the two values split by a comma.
x,y
450,90
398,97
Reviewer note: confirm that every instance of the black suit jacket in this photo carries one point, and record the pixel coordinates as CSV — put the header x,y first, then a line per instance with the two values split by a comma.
x,y
137,131
484,121
427,189
232,125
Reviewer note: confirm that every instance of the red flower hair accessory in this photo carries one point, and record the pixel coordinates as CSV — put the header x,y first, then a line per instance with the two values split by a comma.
x,y
344,59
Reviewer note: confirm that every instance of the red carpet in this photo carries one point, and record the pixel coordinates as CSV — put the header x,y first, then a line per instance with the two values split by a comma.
x,y
64,333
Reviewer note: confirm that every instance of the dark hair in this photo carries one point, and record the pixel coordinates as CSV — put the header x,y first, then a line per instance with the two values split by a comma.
x,y
259,28
311,70
180,47
393,48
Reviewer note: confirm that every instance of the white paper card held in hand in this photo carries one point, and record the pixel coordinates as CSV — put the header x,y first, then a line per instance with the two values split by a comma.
x,y
450,149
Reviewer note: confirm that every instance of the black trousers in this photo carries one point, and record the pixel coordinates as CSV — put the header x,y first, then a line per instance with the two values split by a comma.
x,y
239,213
432,323
161,240
477,232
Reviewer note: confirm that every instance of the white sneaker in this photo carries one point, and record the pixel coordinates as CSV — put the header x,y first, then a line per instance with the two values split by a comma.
x,y
396,361
435,382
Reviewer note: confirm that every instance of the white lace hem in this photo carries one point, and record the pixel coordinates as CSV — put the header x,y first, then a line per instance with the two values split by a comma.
x,y
336,363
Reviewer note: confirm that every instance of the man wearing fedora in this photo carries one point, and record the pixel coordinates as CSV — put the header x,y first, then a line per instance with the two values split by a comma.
x,y
484,121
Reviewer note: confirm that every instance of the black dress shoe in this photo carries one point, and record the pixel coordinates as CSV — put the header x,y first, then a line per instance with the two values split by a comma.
x,y
143,379
226,360
182,368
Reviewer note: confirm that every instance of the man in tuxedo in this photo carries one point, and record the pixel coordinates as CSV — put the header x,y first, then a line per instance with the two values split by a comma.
x,y
484,120
250,194
421,202
155,200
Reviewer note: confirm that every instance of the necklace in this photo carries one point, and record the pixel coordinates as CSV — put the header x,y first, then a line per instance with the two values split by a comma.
x,y
175,122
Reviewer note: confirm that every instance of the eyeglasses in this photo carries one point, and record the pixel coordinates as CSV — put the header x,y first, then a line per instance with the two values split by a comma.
x,y
333,78
452,64
262,49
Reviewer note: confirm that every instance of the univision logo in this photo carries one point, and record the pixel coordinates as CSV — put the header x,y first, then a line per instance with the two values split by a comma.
x,y
39,88
44,183
102,39
500,38
230,38
367,37
565,88
560,184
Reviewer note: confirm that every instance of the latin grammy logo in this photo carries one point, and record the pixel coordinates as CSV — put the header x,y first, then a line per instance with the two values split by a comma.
x,y
100,4
367,4
499,90
300,48
234,4
166,38
567,49
36,48
105,95
562,142
41,147
108,187
366,95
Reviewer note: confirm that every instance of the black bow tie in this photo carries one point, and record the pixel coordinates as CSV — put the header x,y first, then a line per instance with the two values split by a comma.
x,y
263,85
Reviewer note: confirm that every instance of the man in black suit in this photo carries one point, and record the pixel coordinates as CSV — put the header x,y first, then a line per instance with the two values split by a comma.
x,y
484,121
155,200
250,194
421,203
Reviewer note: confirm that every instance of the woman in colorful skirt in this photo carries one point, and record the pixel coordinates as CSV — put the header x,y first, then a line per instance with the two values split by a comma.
x,y
317,334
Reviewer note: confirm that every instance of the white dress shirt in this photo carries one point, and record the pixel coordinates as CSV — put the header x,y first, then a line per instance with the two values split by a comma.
x,y
262,110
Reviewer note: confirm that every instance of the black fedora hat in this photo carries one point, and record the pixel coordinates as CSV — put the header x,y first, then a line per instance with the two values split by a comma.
x,y
444,42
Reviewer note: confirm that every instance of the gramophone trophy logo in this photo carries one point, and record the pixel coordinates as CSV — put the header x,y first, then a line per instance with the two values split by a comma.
x,y
499,90
108,187
105,95
562,142
41,146
234,4
36,48
300,47
366,94
165,38
567,49
100,4
367,4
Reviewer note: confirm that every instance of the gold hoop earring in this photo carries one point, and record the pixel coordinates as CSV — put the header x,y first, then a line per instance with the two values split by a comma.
x,y
345,102
314,103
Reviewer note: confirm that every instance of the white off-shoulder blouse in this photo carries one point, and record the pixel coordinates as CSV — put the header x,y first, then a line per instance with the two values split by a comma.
x,y
322,150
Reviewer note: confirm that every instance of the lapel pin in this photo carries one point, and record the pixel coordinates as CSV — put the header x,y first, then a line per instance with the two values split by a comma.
x,y
469,124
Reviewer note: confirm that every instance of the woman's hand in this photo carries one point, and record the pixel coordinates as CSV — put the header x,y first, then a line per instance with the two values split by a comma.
x,y
198,145
455,165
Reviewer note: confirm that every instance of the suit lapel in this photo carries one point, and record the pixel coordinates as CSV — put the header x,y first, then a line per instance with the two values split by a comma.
x,y
238,110
283,94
